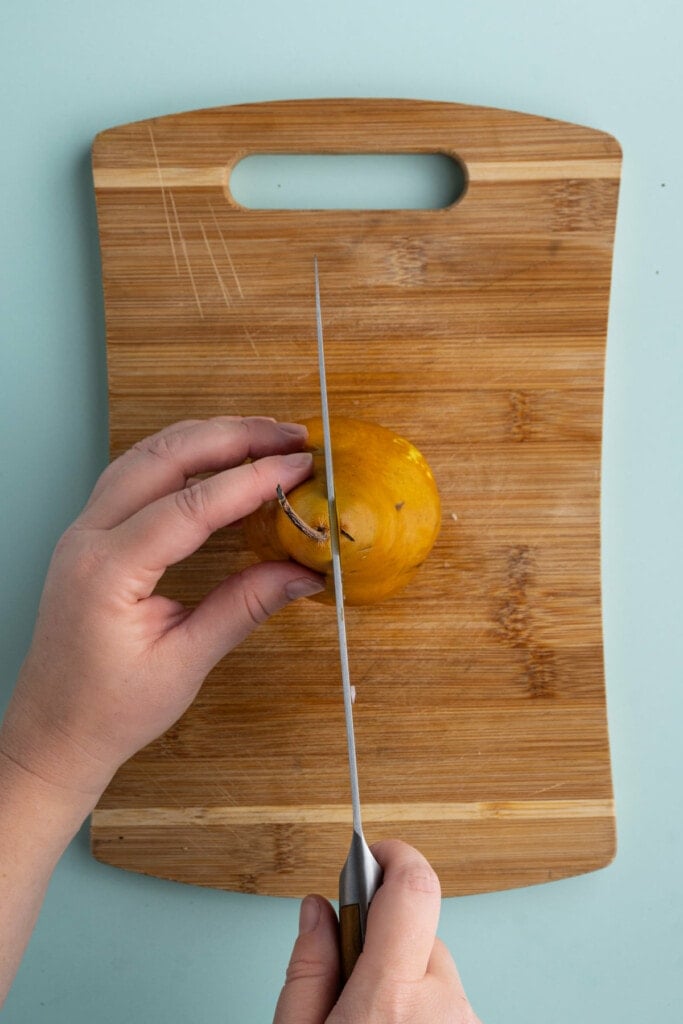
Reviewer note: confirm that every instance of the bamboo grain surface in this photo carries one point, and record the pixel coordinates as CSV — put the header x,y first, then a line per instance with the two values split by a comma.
x,y
478,332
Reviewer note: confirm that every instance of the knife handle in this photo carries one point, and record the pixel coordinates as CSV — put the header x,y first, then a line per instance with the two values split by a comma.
x,y
359,880
351,938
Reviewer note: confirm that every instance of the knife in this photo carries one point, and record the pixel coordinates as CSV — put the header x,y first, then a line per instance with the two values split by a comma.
x,y
361,875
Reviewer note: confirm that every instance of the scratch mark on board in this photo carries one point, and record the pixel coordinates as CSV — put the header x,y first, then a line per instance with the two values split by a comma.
x,y
163,199
251,342
177,803
546,789
185,254
217,272
227,251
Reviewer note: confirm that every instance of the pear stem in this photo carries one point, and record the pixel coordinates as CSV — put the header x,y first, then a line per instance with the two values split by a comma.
x,y
319,535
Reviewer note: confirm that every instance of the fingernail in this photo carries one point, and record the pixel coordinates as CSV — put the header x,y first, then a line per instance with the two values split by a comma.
x,y
309,915
293,429
298,460
303,586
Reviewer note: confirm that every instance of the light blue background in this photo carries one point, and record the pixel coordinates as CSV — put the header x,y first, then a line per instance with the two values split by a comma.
x,y
114,947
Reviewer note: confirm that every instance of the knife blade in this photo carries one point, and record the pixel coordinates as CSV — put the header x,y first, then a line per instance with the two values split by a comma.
x,y
361,875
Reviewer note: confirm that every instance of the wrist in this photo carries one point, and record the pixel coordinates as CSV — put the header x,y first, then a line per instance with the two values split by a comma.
x,y
37,820
40,771
38,742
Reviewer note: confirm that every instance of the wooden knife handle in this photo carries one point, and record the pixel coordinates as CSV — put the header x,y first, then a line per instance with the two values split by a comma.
x,y
351,938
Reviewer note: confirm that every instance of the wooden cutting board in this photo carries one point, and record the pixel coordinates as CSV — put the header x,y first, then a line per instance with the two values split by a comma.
x,y
478,331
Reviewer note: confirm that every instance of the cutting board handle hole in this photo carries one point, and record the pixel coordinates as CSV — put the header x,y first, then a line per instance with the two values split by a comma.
x,y
348,181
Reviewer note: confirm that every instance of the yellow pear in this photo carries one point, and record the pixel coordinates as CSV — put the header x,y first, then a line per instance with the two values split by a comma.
x,y
388,508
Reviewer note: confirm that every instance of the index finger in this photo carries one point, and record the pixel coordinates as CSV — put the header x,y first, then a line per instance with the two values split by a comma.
x,y
162,463
173,527
403,915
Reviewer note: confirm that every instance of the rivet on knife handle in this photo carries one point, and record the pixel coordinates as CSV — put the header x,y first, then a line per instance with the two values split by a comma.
x,y
361,875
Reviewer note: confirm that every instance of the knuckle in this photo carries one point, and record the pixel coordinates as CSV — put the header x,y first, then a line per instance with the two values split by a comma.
x,y
77,554
161,446
255,470
232,424
183,425
263,479
305,967
109,474
254,606
191,502
422,879
419,877
66,544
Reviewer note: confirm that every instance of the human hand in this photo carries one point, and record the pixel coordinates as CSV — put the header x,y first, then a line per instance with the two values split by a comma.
x,y
404,974
112,665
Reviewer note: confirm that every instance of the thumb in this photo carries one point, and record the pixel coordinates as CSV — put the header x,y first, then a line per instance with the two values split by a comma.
x,y
312,984
239,604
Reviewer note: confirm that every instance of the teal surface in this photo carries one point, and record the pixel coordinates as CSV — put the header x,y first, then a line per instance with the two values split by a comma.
x,y
111,947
